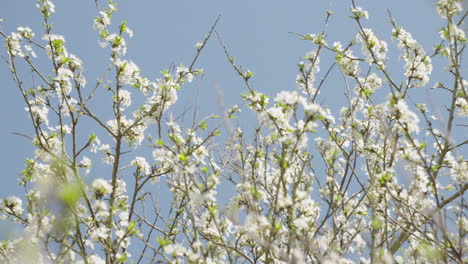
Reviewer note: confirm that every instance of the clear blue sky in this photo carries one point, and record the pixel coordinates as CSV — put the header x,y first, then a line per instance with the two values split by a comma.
x,y
255,32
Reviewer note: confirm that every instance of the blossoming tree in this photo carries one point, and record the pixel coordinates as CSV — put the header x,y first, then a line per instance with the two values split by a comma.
x,y
380,182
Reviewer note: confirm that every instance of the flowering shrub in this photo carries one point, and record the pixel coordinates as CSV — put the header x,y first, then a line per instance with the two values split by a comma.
x,y
380,182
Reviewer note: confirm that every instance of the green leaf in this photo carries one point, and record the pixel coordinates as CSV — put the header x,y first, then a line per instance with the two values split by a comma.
x,y
278,226
203,125
376,223
28,171
123,26
212,208
131,225
248,75
182,157
435,168
104,34
70,193
423,145
65,60
122,258
159,142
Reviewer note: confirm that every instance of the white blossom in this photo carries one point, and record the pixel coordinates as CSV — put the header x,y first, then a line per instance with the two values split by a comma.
x,y
359,12
174,250
46,6
462,106
374,48
447,8
124,98
13,43
87,163
417,64
11,205
101,187
142,165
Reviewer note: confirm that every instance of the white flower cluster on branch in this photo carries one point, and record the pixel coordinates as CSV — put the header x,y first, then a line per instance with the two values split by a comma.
x,y
382,181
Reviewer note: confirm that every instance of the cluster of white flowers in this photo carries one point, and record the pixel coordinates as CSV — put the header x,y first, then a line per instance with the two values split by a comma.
x,y
328,149
277,117
257,101
52,152
101,187
46,7
407,119
142,165
359,12
25,32
99,233
11,205
86,163
124,97
417,63
289,98
39,111
93,259
117,42
62,80
368,85
14,43
307,71
374,48
133,132
69,73
97,146
100,209
462,106
349,64
164,95
164,157
128,72
448,8
452,32
174,250
317,39
458,169
306,188
55,47
102,21
185,73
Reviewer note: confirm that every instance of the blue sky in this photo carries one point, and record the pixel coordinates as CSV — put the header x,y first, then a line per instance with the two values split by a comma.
x,y
255,32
